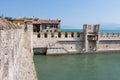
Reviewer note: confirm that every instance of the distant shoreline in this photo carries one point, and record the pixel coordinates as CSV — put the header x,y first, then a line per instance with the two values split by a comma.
x,y
80,30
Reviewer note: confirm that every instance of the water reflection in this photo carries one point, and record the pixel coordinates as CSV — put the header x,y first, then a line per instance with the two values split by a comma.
x,y
78,67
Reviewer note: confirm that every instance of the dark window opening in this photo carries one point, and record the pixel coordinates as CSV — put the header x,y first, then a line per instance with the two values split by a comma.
x,y
90,47
72,34
52,35
38,35
36,28
59,34
66,34
45,35
78,34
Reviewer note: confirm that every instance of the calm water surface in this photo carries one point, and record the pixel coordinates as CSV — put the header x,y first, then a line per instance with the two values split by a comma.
x,y
78,67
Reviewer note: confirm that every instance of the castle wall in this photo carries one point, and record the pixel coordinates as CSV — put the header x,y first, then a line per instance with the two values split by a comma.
x,y
46,42
109,41
59,45
110,36
109,45
16,58
64,44
76,44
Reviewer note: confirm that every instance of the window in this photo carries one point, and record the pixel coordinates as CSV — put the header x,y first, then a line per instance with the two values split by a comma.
x,y
38,35
59,34
45,35
66,34
72,34
52,35
78,34
90,47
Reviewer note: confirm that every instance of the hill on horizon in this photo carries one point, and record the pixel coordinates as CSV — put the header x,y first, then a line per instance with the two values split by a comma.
x,y
103,26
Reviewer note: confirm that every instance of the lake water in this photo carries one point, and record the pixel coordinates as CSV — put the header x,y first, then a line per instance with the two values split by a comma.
x,y
81,30
78,67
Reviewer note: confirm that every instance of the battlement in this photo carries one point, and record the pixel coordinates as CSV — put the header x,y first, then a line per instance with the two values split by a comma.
x,y
59,35
110,35
91,28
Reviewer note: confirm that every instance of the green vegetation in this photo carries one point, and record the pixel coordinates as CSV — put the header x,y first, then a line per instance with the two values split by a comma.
x,y
38,35
52,35
78,34
45,35
59,34
66,34
9,18
72,34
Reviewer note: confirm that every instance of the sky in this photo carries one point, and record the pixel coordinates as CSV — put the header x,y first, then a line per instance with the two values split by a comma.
x,y
72,13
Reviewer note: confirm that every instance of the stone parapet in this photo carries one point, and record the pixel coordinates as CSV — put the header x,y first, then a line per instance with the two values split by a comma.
x,y
110,36
16,57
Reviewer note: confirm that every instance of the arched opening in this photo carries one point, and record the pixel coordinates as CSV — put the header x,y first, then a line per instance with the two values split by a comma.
x,y
39,51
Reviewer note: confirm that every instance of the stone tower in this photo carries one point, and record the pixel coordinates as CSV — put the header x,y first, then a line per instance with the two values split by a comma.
x,y
97,32
85,30
91,37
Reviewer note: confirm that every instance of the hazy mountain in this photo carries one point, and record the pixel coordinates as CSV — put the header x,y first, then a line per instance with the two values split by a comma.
x,y
110,26
103,26
69,27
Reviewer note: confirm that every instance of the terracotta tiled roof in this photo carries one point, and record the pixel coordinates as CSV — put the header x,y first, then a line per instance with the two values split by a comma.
x,y
24,19
46,21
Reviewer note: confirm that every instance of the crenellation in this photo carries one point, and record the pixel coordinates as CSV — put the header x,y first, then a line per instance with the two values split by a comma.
x,y
109,35
59,35
89,40
56,34
85,28
49,34
119,35
69,35
90,28
62,34
41,35
97,28
75,35
104,35
114,35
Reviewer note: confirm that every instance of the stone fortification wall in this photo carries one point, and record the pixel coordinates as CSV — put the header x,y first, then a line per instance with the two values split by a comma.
x,y
59,44
109,42
110,36
16,58
50,39
109,45
75,42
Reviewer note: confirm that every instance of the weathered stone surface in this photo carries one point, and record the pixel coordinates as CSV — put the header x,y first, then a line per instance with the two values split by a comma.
x,y
16,57
5,25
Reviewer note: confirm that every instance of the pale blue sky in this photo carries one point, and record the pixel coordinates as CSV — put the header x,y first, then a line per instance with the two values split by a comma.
x,y
72,12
